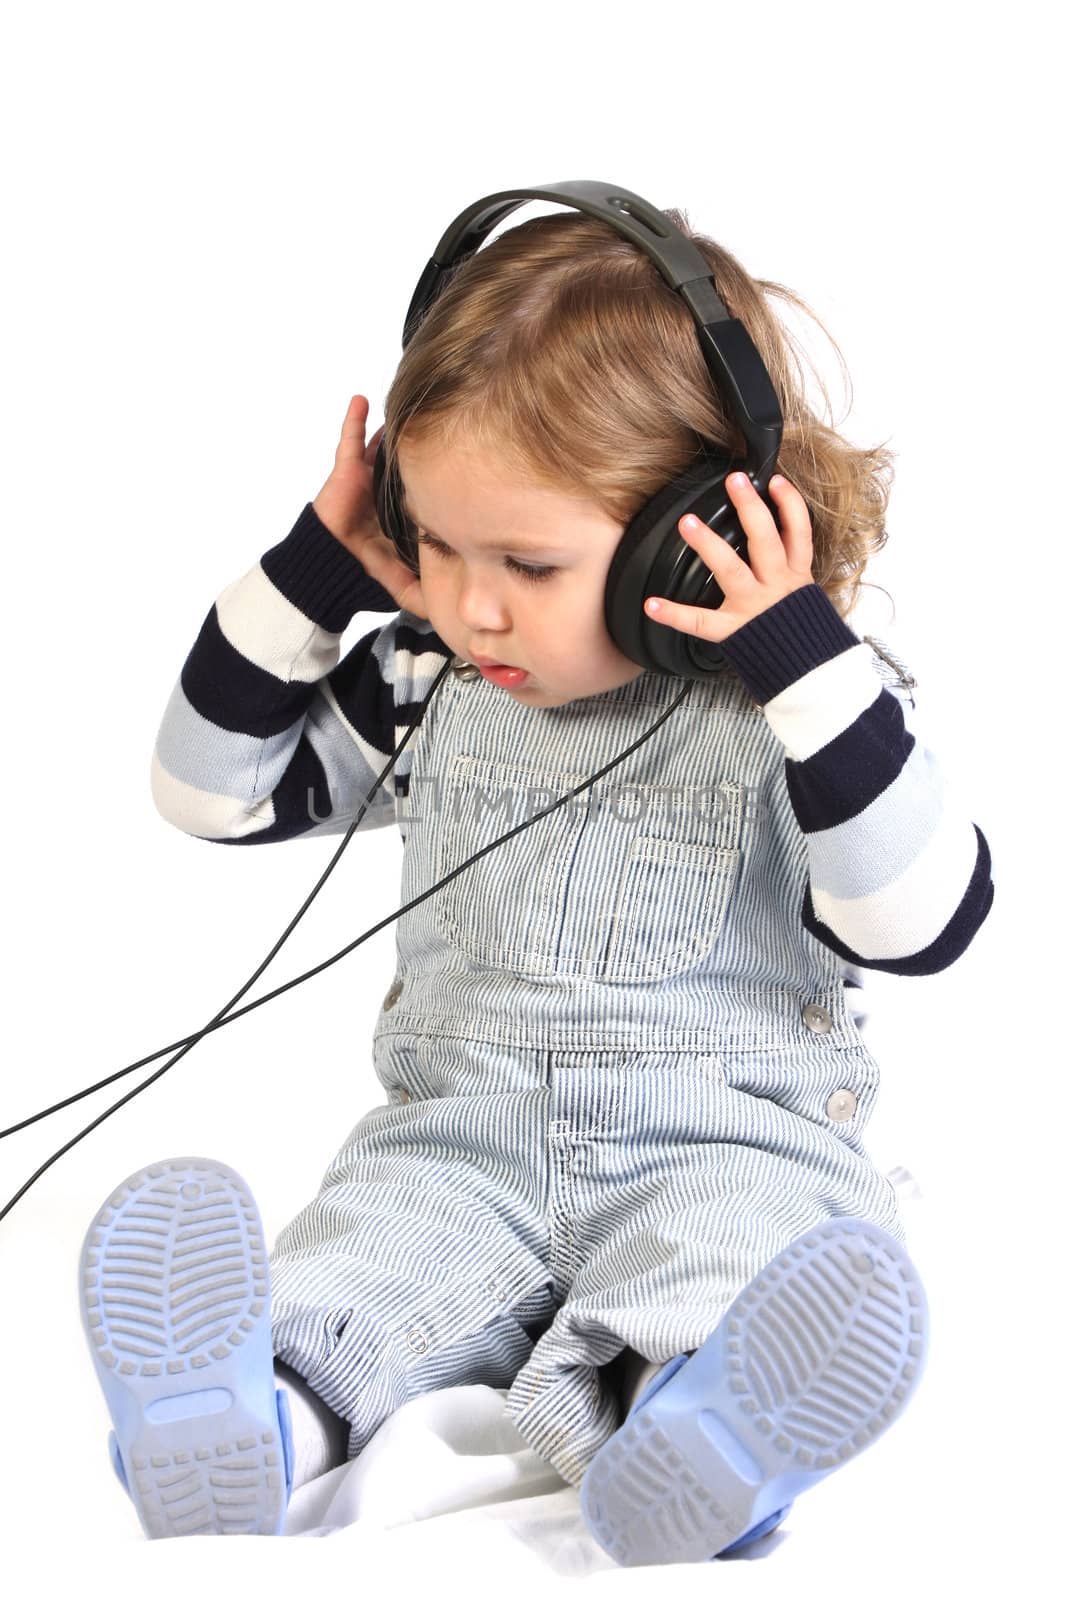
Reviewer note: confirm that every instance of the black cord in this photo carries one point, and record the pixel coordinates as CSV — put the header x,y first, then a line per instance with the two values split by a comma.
x,y
191,1039
221,1018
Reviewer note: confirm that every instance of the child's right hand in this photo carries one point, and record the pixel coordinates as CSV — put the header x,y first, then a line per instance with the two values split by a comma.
x,y
345,505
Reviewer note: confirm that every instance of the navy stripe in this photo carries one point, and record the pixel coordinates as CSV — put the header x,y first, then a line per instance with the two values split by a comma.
x,y
839,781
793,636
362,692
233,693
321,576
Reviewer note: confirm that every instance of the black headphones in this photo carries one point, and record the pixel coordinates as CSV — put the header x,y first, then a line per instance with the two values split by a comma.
x,y
652,558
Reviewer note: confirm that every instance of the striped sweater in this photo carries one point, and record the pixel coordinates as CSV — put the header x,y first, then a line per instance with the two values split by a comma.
x,y
269,736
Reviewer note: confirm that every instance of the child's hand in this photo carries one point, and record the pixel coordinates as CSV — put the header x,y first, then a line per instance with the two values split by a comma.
x,y
345,504
779,563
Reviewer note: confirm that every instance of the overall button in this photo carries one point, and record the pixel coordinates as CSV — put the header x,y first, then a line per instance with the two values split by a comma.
x,y
393,994
841,1105
817,1018
466,669
417,1341
403,1097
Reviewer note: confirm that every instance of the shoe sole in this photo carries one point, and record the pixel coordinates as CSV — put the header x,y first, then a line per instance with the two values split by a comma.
x,y
175,1302
815,1358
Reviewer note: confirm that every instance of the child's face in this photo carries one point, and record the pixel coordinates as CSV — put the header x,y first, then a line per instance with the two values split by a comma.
x,y
478,603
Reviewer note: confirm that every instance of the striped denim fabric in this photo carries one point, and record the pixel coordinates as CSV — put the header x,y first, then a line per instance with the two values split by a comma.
x,y
620,1075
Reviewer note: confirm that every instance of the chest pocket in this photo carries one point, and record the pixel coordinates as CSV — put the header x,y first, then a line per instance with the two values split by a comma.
x,y
626,883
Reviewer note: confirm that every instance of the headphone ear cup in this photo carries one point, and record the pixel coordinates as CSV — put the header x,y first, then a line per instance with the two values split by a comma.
x,y
392,518
652,558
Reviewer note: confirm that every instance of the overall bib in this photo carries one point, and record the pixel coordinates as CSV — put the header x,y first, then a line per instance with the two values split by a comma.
x,y
621,1075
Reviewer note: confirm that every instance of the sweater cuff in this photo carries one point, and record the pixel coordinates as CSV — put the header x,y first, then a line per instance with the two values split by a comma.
x,y
321,577
791,638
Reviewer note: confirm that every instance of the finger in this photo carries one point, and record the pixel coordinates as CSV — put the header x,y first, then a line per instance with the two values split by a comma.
x,y
700,621
797,536
756,516
350,447
722,560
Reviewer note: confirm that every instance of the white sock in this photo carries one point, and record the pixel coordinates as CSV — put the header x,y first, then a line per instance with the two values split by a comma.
x,y
637,1374
320,1437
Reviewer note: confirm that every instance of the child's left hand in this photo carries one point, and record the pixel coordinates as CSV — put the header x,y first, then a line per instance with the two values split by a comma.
x,y
779,563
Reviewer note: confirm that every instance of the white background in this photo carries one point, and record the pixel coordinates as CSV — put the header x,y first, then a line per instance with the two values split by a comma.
x,y
215,216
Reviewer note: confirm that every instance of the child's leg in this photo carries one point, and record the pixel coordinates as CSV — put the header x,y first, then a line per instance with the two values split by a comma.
x,y
320,1437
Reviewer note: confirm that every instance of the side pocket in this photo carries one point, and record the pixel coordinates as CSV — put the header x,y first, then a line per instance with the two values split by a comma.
x,y
837,1090
305,1336
330,1334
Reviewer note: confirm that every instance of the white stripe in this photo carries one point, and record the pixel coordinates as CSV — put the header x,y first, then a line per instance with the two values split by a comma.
x,y
212,816
267,629
910,913
824,702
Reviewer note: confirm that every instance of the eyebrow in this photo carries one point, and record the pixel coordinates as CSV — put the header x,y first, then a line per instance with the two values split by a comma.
x,y
507,549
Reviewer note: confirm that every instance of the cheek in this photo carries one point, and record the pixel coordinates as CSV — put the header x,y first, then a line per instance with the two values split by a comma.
x,y
434,584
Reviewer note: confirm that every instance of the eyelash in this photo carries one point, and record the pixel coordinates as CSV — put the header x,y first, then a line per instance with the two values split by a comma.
x,y
531,574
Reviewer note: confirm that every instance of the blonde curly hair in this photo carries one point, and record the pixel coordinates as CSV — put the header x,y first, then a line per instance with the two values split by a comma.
x,y
561,349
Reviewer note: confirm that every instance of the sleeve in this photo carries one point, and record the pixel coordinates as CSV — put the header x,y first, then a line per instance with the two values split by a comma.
x,y
266,735
900,879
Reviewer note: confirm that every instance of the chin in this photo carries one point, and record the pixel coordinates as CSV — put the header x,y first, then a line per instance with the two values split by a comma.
x,y
560,697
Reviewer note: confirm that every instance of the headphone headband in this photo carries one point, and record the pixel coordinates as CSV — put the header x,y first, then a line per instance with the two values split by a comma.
x,y
733,362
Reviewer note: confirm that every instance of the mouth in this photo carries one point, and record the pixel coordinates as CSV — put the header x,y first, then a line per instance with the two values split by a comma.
x,y
505,677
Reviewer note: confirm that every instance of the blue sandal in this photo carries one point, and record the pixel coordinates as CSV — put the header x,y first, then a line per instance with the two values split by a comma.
x,y
175,1303
815,1358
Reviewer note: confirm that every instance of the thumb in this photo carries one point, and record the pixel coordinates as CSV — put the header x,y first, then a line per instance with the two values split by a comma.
x,y
351,444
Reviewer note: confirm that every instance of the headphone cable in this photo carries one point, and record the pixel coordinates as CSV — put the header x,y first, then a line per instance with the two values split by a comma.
x,y
222,1017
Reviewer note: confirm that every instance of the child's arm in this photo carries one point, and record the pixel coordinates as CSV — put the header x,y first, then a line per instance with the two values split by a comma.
x,y
900,878
266,736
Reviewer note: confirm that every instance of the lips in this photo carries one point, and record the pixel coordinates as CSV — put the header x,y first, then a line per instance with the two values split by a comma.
x,y
484,661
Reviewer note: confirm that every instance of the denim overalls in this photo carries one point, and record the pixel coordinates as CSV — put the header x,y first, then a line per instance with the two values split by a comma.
x,y
621,1075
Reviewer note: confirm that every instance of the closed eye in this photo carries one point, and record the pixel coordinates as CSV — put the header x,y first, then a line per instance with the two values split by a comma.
x,y
532,574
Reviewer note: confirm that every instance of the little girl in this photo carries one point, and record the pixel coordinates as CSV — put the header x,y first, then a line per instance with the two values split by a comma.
x,y
620,1171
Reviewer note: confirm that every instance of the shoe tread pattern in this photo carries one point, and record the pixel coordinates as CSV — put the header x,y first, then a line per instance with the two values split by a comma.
x,y
174,1280
815,1359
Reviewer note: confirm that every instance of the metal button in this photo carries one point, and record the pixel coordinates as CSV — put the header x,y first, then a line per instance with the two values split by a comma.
x,y
466,669
393,994
416,1340
841,1105
817,1018
403,1097
495,1290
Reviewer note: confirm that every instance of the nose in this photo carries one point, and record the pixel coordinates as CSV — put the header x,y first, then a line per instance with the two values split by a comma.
x,y
479,607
